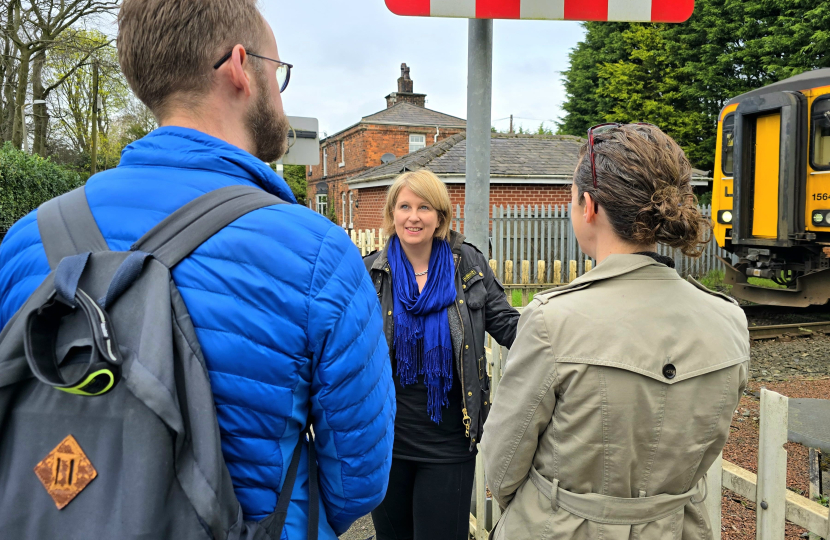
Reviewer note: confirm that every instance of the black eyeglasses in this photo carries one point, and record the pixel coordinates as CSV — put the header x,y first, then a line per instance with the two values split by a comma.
x,y
283,69
603,127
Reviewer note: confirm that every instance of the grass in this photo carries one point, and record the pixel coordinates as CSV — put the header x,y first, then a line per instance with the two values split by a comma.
x,y
517,297
714,280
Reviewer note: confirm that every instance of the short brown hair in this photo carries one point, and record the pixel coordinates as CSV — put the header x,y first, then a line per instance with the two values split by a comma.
x,y
168,47
644,186
427,186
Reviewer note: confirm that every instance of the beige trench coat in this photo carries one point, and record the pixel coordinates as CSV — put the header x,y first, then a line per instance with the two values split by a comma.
x,y
616,398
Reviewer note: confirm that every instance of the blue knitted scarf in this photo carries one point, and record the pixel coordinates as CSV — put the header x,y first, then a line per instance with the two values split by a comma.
x,y
423,345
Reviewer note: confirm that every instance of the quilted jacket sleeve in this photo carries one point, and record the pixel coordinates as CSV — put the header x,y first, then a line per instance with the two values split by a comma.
x,y
352,394
23,266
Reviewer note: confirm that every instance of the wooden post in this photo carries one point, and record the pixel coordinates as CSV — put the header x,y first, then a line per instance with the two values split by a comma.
x,y
815,477
540,272
494,266
771,496
353,235
481,499
572,275
525,281
714,482
557,272
508,279
588,266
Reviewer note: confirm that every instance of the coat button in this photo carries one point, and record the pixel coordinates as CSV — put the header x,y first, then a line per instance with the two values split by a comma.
x,y
470,394
390,313
466,346
669,371
461,301
464,286
481,274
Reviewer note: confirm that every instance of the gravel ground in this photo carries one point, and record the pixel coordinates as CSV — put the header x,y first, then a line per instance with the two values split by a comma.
x,y
797,368
788,358
361,530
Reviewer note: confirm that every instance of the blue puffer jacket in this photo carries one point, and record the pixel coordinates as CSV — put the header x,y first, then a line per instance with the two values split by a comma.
x,y
285,313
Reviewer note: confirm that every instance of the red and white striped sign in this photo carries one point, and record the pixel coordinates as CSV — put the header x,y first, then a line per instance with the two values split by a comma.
x,y
673,11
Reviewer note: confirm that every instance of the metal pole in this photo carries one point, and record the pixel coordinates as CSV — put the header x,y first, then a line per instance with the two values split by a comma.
x,y
479,100
93,155
25,129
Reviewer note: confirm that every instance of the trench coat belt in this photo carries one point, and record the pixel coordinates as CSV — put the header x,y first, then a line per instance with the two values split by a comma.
x,y
614,510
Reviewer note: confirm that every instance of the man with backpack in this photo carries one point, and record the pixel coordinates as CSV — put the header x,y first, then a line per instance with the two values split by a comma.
x,y
134,409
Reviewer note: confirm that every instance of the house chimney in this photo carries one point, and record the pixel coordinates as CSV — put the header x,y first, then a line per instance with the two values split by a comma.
x,y
405,83
405,91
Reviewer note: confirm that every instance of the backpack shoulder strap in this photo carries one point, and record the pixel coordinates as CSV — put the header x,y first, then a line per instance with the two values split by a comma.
x,y
67,227
178,235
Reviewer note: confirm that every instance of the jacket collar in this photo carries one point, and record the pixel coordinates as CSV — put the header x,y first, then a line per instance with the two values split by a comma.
x,y
183,148
617,265
456,239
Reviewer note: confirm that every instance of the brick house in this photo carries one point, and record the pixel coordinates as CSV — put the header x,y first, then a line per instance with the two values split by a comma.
x,y
405,126
359,163
524,170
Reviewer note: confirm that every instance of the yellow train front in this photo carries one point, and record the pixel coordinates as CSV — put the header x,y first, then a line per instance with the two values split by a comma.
x,y
771,190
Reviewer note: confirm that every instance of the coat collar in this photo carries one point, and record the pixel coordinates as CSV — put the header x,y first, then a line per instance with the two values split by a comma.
x,y
617,265
456,239
183,148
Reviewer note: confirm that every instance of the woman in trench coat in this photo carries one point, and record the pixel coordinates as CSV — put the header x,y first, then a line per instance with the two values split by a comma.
x,y
619,390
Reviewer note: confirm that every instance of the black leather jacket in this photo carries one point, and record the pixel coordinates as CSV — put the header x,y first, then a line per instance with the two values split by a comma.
x,y
481,306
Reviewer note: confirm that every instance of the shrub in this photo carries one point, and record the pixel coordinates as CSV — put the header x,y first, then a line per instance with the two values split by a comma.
x,y
27,181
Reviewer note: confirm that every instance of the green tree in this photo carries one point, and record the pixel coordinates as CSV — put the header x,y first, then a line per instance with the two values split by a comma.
x,y
71,103
295,177
679,76
27,181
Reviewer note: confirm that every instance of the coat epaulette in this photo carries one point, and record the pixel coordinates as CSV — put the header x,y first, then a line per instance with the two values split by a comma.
x,y
707,290
545,296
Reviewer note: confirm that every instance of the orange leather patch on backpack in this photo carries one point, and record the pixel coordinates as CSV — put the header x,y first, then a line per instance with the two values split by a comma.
x,y
65,472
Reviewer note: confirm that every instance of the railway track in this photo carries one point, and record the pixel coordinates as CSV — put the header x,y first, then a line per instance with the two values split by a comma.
x,y
781,330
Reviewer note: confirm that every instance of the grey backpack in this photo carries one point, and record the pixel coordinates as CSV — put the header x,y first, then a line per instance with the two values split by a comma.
x,y
108,427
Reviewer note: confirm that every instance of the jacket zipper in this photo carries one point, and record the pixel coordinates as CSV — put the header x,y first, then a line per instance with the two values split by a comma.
x,y
466,417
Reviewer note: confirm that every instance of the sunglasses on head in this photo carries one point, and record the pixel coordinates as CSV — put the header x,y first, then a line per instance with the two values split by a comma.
x,y
601,128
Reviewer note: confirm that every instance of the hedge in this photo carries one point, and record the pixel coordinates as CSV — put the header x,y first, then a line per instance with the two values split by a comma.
x,y
27,181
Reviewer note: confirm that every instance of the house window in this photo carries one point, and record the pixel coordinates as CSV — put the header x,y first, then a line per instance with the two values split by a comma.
x,y
351,210
342,155
343,208
416,142
325,162
323,204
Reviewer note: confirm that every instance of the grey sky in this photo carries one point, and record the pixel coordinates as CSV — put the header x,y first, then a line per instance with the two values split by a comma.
x,y
347,56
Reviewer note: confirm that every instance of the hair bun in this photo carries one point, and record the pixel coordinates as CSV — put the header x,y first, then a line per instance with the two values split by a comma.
x,y
672,218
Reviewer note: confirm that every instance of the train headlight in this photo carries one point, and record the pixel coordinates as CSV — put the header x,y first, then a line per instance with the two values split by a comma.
x,y
725,217
821,218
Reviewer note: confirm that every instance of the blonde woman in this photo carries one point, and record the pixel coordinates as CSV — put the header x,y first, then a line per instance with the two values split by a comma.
x,y
619,390
438,297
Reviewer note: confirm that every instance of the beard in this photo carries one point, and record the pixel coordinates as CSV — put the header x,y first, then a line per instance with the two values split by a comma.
x,y
268,128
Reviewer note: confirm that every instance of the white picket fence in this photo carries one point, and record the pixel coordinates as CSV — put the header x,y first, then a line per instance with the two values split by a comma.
x,y
775,504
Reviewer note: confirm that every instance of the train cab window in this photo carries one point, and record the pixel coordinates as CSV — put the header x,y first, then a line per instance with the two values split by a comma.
x,y
728,157
821,135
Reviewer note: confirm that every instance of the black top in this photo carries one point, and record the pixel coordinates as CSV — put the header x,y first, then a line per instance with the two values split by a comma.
x,y
417,437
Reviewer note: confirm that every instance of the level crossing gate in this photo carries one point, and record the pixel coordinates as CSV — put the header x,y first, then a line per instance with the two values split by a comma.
x,y
566,10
